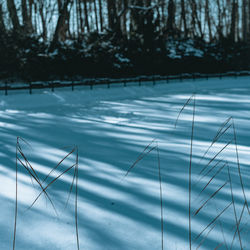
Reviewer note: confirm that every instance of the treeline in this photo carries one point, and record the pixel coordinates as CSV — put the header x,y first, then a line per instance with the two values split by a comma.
x,y
128,34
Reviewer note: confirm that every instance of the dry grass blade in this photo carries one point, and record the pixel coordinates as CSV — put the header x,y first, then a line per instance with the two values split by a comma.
x,y
219,170
26,160
205,237
223,235
60,162
209,171
46,194
223,125
32,174
198,210
218,135
16,204
76,199
218,216
22,139
141,156
161,201
235,214
239,169
183,107
218,246
215,156
71,188
190,179
28,165
55,179
236,231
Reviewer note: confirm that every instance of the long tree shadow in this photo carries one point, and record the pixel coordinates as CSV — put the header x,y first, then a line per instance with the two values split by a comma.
x,y
114,213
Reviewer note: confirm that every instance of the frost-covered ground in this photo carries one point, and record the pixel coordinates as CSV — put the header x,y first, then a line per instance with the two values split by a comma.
x,y
111,127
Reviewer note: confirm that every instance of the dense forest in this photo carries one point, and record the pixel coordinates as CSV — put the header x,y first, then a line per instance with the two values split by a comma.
x,y
46,39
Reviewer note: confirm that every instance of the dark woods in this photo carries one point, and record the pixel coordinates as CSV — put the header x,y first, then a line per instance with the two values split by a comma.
x,y
60,39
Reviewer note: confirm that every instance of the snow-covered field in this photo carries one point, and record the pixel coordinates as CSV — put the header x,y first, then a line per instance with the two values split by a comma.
x,y
111,128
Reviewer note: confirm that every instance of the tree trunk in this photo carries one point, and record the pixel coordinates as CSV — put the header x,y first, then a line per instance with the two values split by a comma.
x,y
96,16
61,23
136,18
183,17
233,22
208,20
149,27
112,14
219,26
80,18
171,17
2,26
13,15
27,23
248,23
195,19
244,20
124,23
86,15
100,14
44,25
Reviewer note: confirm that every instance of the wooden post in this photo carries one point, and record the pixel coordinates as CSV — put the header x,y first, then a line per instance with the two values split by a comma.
x,y
139,81
30,89
6,89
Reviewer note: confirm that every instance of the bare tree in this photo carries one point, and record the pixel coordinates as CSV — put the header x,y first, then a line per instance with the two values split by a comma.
x,y
27,23
13,15
248,23
183,18
233,21
62,22
171,17
2,25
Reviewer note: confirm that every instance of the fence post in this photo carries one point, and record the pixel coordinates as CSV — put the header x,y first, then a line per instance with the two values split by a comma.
x,y
30,89
167,80
6,88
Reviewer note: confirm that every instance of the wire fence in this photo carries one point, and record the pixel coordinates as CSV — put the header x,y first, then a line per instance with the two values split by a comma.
x,y
8,86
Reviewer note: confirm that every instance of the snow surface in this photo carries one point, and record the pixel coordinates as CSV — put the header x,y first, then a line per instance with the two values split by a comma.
x,y
111,127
